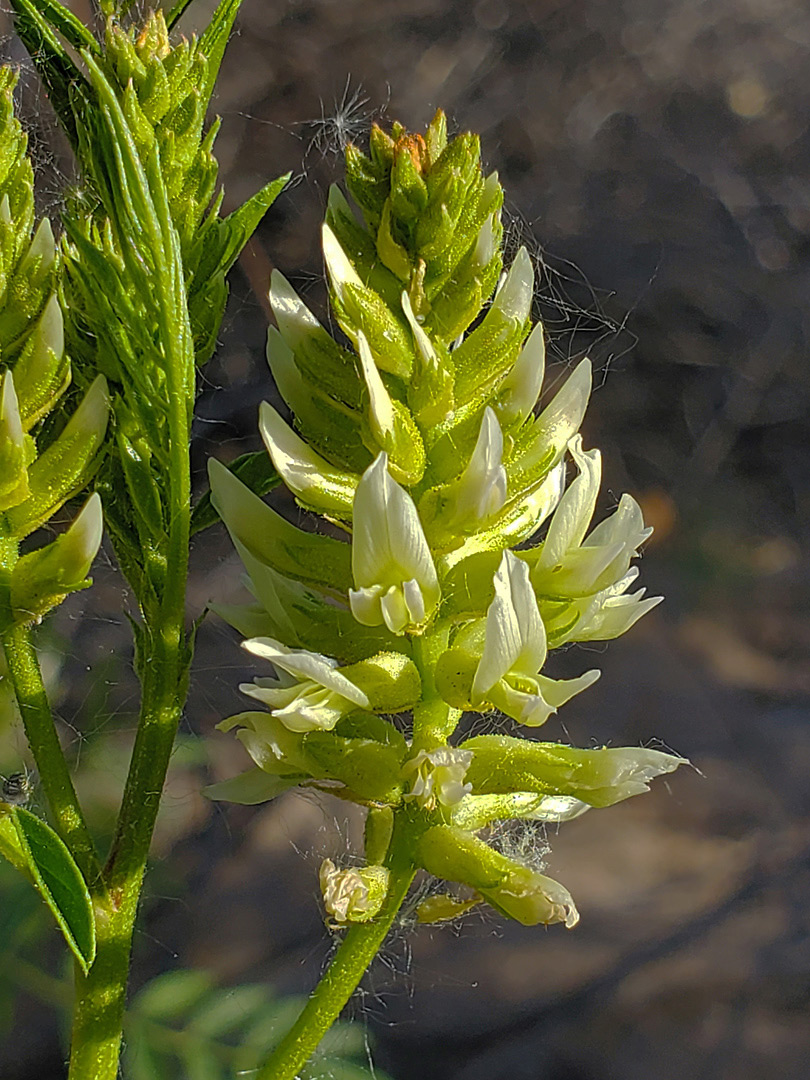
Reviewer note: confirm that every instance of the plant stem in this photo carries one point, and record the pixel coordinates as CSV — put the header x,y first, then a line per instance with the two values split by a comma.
x,y
163,667
54,774
357,950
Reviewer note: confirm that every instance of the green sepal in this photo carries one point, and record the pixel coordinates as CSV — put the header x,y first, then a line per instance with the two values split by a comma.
x,y
275,542
367,725
455,671
455,854
390,681
37,851
359,308
368,768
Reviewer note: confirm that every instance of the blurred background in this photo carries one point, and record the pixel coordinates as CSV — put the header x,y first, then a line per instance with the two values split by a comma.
x,y
656,161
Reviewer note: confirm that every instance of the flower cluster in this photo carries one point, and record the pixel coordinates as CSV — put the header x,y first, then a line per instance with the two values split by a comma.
x,y
467,555
40,468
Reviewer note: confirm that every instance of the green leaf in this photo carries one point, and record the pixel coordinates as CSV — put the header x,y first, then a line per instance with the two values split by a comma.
x,y
214,40
63,81
183,1027
36,850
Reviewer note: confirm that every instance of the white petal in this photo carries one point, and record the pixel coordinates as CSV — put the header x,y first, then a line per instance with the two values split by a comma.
x,y
514,298
307,665
295,321
515,638
305,473
561,418
422,341
480,491
338,267
388,542
573,515
380,405
520,389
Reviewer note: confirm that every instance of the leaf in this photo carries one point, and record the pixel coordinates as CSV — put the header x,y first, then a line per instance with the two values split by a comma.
x,y
182,1027
214,40
64,82
36,850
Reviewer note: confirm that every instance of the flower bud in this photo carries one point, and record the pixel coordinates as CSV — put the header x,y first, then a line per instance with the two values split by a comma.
x,y
309,476
67,464
17,449
42,371
43,578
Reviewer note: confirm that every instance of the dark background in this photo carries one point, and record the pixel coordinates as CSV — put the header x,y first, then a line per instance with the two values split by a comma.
x,y
655,159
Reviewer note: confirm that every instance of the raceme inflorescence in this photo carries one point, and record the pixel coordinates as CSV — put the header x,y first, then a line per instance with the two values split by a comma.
x,y
461,552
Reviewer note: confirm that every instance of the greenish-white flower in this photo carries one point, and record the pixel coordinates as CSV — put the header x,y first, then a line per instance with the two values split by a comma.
x,y
568,563
395,579
437,776
515,649
309,476
309,693
601,617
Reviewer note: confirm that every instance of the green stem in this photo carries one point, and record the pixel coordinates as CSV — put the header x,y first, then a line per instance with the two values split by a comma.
x,y
357,950
434,721
54,774
163,665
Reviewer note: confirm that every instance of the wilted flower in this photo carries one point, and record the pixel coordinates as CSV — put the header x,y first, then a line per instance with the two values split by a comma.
x,y
437,776
355,894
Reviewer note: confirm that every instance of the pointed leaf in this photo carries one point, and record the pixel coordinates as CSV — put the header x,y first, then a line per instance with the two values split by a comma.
x,y
36,850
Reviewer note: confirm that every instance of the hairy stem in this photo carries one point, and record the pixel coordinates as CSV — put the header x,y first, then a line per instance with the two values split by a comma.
x,y
54,774
163,666
357,950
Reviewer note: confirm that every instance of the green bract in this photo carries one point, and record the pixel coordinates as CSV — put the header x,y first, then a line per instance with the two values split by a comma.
x,y
41,466
423,444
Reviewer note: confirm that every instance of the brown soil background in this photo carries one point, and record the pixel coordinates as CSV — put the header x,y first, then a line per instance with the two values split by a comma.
x,y
655,158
